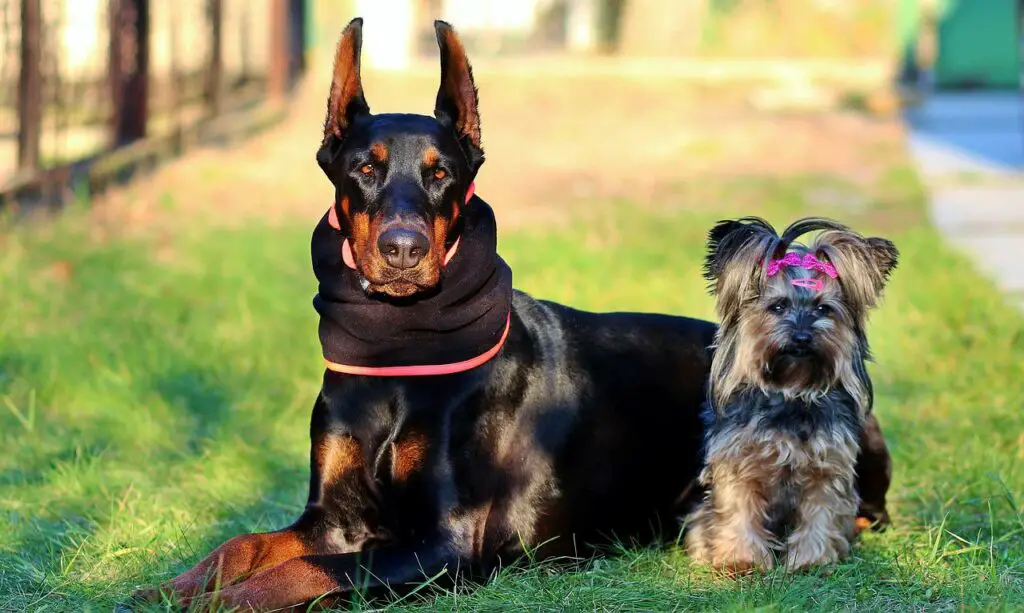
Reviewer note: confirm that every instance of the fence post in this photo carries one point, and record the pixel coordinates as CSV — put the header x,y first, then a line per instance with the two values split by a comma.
x,y
30,86
277,79
129,69
177,84
215,71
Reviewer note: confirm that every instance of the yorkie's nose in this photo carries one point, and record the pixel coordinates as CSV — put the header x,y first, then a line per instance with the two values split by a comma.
x,y
802,338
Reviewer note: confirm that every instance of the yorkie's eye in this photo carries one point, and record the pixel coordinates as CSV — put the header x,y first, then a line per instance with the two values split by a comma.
x,y
779,306
366,169
822,310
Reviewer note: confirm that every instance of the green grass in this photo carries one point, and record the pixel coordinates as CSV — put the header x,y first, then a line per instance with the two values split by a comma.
x,y
155,401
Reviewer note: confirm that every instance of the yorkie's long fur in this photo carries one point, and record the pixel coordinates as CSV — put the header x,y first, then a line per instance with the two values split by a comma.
x,y
788,396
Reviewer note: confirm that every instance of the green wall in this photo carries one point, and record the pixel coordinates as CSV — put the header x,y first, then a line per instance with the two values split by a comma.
x,y
979,44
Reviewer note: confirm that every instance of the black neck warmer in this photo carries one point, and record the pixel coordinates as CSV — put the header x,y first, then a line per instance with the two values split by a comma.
x,y
462,319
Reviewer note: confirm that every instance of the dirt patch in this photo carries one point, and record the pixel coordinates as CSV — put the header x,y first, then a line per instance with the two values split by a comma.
x,y
554,143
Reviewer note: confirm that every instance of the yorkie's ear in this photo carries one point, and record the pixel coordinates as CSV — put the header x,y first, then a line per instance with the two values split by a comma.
x,y
886,255
864,264
735,259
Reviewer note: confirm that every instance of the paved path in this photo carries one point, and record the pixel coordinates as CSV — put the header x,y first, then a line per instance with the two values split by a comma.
x,y
969,149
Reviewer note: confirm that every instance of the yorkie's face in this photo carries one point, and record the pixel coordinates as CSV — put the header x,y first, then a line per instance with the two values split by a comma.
x,y
792,317
796,330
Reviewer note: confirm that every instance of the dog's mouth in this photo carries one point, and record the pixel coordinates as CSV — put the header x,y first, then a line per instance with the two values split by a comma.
x,y
399,288
402,284
377,278
797,352
797,366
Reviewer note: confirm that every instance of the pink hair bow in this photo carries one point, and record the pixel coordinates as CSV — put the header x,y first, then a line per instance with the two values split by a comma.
x,y
808,261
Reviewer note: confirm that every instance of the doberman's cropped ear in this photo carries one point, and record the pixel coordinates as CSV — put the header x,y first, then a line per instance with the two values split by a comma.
x,y
456,104
346,101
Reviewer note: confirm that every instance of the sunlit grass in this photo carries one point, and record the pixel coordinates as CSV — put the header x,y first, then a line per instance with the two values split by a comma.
x,y
155,396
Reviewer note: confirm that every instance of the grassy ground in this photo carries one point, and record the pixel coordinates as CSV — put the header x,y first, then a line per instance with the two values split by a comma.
x,y
155,393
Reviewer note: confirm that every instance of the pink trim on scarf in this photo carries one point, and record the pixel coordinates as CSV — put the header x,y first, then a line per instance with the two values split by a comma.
x,y
424,370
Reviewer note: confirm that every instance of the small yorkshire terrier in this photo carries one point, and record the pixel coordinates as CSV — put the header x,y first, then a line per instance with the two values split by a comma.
x,y
789,392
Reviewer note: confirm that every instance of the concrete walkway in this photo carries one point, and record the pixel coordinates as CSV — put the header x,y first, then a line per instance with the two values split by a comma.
x,y
969,149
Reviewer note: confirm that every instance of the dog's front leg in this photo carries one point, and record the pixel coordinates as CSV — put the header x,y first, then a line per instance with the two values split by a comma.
x,y
338,467
308,578
231,561
728,530
825,513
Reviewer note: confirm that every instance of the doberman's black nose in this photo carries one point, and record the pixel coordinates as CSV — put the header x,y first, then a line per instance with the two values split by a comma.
x,y
801,338
403,248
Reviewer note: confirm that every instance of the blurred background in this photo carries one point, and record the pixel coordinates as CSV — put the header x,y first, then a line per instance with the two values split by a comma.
x,y
158,350
83,78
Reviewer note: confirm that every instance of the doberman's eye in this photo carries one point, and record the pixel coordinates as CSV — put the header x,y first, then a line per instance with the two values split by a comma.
x,y
440,174
366,169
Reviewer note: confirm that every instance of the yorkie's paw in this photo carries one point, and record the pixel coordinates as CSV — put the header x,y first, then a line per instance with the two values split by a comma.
x,y
799,559
735,569
745,559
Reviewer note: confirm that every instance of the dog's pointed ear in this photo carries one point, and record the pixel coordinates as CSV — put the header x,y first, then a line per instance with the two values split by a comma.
x,y
886,255
750,238
735,261
863,264
346,101
456,105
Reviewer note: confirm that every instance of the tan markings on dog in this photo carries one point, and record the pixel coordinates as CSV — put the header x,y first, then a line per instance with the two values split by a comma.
x,y
379,151
238,559
456,211
431,157
440,238
364,232
345,206
408,455
290,584
337,454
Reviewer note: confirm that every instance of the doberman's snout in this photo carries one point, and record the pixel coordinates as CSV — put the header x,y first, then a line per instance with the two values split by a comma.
x,y
403,248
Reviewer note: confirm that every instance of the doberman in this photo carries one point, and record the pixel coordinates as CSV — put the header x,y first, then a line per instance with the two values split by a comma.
x,y
461,423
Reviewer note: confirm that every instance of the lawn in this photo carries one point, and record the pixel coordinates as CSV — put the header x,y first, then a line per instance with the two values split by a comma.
x,y
155,393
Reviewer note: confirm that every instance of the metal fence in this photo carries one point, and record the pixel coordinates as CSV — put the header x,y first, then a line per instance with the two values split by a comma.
x,y
89,87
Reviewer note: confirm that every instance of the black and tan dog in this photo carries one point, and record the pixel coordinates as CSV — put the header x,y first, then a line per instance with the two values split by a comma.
x,y
460,422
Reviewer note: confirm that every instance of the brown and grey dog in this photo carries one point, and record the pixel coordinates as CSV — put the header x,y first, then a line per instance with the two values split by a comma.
x,y
790,396
461,423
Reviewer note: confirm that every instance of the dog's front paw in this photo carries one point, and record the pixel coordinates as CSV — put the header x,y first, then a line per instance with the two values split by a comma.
x,y
805,556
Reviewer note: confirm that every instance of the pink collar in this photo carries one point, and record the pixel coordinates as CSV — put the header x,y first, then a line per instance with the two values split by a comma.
x,y
424,370
346,248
